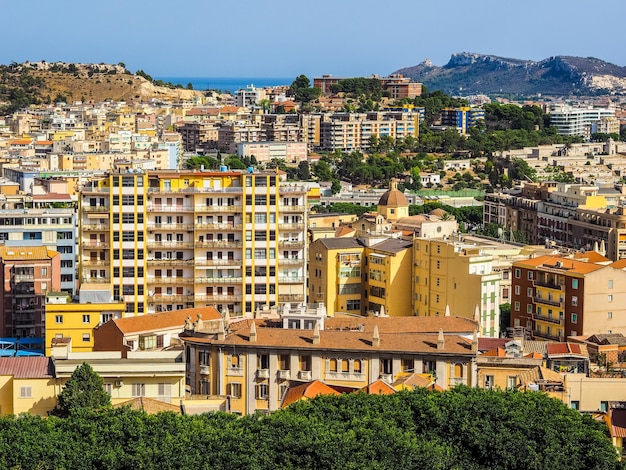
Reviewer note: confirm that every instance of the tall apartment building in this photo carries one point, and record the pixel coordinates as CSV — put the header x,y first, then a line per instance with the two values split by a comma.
x,y
555,297
171,240
27,273
352,131
462,118
457,278
570,120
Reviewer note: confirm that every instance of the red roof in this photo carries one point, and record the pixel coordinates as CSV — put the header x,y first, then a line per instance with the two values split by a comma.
x,y
307,390
26,367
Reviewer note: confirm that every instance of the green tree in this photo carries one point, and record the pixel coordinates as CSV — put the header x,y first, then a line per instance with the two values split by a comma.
x,y
304,172
301,90
83,390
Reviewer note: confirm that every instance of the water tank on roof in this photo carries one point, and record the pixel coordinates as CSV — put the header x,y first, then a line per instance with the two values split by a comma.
x,y
223,168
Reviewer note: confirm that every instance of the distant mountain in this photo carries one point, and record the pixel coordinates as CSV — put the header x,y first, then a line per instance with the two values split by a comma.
x,y
468,73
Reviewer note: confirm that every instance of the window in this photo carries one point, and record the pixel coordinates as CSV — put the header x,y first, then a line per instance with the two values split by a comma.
x,y
609,315
511,382
529,308
86,318
263,361
58,319
574,301
353,304
518,289
610,283
26,392
489,382
262,392
164,391
108,388
574,404
332,364
234,390
517,306
86,337
574,283
529,292
610,298
139,390
574,318
235,361
518,273
530,275
356,366
604,406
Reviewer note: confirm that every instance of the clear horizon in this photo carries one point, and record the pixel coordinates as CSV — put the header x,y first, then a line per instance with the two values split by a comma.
x,y
286,39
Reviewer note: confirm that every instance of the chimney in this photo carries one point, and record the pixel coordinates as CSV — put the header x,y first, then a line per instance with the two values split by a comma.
x,y
376,337
477,314
440,341
316,334
252,332
221,333
475,341
447,314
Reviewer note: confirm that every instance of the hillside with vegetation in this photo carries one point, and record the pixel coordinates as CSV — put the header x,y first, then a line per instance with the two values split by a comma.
x,y
467,73
45,83
459,429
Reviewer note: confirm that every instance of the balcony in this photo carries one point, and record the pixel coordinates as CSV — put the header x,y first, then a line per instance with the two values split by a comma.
x,y
305,375
290,261
283,374
553,303
218,298
218,244
95,245
96,209
292,226
168,227
169,298
291,208
290,298
538,334
218,280
95,262
219,209
263,373
171,281
170,262
23,277
95,228
290,280
556,320
204,370
169,244
96,280
219,262
549,285
454,381
291,244
169,208
235,371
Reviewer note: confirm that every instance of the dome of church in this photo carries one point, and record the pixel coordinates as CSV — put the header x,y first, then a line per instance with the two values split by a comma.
x,y
393,198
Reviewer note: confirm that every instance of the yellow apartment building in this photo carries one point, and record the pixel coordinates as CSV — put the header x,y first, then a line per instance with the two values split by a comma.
x,y
169,240
27,385
388,277
77,321
255,362
456,277
335,274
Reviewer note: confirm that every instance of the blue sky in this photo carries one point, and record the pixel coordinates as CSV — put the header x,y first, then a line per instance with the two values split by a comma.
x,y
284,38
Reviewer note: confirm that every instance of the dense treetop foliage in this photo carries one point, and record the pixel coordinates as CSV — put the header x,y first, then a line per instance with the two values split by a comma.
x,y
459,429
83,390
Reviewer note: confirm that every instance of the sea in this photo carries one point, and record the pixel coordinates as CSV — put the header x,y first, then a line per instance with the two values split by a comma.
x,y
224,84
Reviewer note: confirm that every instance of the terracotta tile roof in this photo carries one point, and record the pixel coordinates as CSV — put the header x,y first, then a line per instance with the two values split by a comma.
x,y
307,390
568,265
450,325
26,367
344,231
165,320
20,142
415,380
619,264
343,340
379,387
591,257
487,344
149,405
21,253
497,352
566,349
618,422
